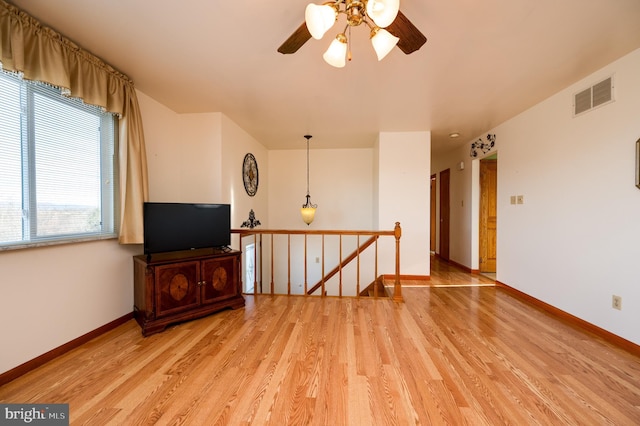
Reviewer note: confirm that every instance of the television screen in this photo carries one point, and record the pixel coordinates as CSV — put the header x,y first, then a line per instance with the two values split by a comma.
x,y
183,226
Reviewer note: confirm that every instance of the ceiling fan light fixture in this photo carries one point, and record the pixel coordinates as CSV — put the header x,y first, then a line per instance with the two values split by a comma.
x,y
319,19
383,42
383,12
375,14
337,52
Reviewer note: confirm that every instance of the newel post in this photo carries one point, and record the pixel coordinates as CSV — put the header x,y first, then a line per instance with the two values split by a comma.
x,y
397,289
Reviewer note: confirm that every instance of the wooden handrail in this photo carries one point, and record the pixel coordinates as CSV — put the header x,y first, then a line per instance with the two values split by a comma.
x,y
244,232
373,237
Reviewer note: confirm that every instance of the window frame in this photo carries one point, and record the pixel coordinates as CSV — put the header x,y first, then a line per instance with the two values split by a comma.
x,y
108,168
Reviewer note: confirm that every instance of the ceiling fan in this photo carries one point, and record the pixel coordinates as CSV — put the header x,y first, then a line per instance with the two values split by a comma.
x,y
389,27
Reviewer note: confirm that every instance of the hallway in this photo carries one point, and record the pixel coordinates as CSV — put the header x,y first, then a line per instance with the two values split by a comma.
x,y
447,274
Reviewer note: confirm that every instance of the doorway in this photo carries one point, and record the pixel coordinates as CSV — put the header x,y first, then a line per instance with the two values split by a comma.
x,y
249,269
433,228
445,208
488,214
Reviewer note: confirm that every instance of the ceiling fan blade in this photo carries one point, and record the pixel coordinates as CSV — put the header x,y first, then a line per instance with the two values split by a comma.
x,y
411,39
295,40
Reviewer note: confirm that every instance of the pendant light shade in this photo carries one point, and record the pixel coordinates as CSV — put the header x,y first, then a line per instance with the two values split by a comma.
x,y
308,214
319,19
308,210
383,12
337,52
383,41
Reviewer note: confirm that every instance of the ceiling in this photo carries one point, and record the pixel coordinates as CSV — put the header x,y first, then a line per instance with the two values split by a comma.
x,y
484,62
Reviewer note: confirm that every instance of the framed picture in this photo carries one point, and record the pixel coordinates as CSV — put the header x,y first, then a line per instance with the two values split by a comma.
x,y
638,163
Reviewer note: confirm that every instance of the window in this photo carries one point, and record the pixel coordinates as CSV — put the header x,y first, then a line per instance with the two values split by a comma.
x,y
56,165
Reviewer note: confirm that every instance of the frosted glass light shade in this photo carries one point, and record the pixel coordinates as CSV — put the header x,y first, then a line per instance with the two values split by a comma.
x,y
337,52
383,41
383,12
308,213
319,18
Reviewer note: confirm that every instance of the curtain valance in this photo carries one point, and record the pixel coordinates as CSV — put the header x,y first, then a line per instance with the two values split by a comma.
x,y
42,54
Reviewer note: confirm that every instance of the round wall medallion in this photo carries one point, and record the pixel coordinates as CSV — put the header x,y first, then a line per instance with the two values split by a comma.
x,y
178,287
250,174
219,280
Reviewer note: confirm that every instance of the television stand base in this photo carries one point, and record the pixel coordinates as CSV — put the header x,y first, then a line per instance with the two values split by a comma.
x,y
170,288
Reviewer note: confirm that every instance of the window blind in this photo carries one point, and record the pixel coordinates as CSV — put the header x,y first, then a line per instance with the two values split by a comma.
x,y
56,165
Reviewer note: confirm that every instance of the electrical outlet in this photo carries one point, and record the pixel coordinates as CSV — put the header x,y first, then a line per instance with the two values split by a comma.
x,y
616,302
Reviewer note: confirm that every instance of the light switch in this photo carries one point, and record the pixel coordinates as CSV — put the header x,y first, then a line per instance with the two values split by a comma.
x,y
513,199
520,199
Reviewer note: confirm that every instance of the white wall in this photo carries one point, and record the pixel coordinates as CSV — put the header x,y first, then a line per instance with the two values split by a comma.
x,y
198,158
356,189
236,143
52,295
183,154
403,195
340,183
574,241
201,163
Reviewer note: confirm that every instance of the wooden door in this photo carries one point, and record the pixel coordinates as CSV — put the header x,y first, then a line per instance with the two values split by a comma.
x,y
432,242
444,213
488,214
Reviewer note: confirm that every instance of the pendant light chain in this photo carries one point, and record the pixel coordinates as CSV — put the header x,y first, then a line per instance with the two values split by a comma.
x,y
308,166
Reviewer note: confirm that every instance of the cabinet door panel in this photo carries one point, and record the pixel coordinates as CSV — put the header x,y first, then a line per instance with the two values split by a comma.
x,y
219,278
177,287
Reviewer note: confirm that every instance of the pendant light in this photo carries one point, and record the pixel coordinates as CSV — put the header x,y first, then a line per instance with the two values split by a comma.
x,y
308,210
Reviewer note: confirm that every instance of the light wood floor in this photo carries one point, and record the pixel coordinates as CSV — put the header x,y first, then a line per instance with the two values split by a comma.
x,y
448,355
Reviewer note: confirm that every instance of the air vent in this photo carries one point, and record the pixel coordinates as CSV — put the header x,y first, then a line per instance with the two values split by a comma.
x,y
595,96
602,92
582,102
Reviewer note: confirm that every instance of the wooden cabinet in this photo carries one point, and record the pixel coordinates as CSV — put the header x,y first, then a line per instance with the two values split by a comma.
x,y
176,287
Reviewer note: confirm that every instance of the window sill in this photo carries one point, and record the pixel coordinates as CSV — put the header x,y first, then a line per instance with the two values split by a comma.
x,y
45,243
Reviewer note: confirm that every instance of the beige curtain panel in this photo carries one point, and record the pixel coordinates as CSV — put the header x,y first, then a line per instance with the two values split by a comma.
x,y
41,54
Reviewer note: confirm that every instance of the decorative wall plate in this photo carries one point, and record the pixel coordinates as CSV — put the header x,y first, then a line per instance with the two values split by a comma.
x,y
250,174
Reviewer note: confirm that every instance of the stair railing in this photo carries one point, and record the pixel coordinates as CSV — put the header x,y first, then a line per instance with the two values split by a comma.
x,y
372,240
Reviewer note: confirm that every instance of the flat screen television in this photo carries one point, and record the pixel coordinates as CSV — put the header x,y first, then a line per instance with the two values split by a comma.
x,y
184,226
